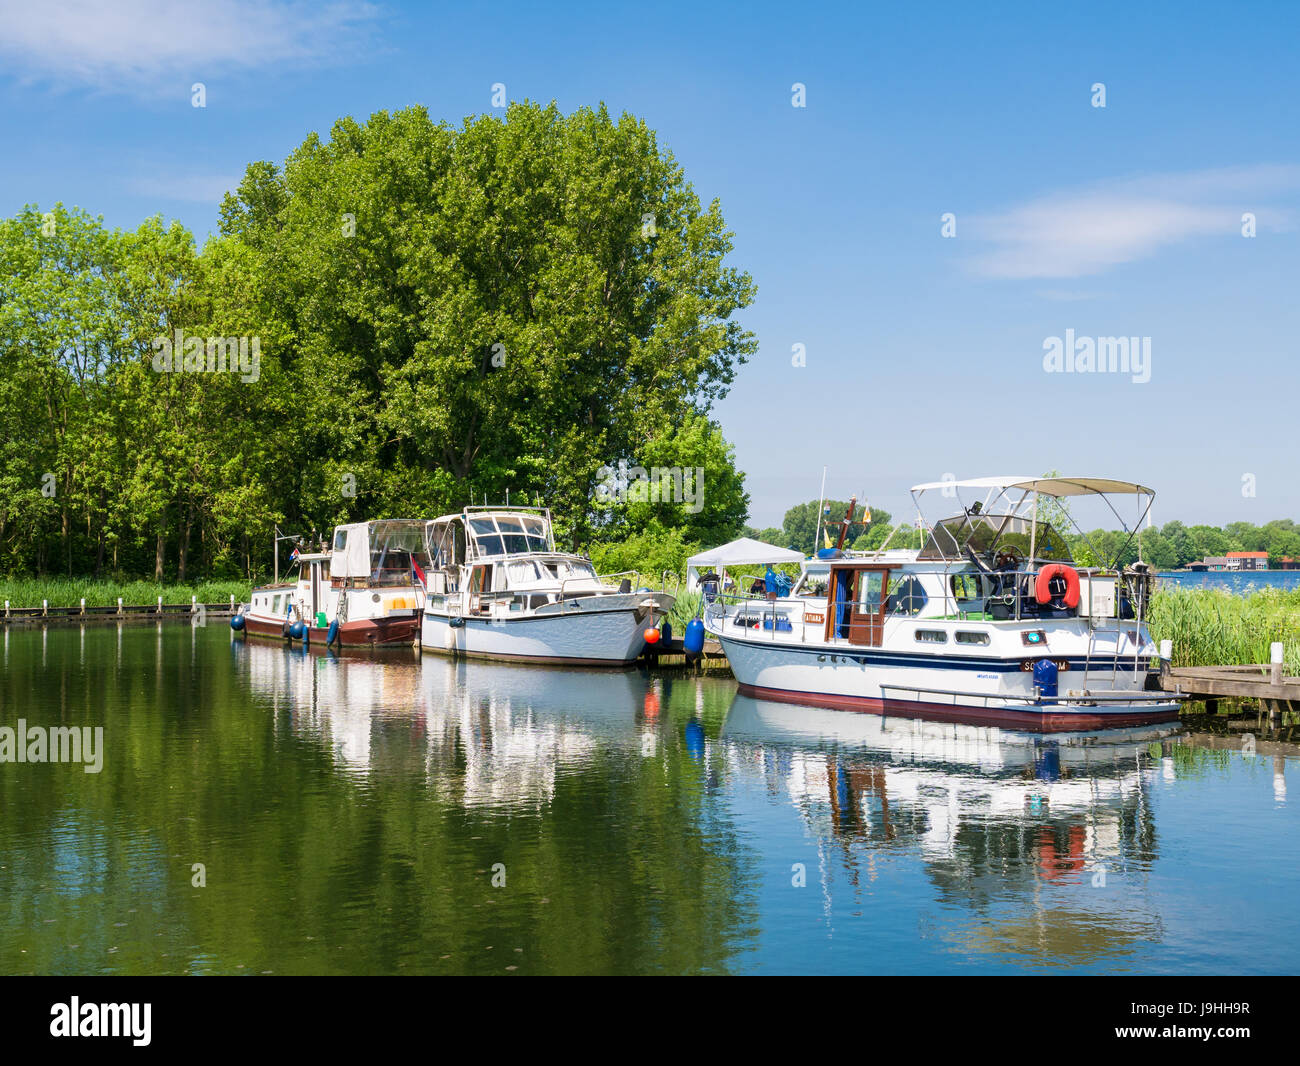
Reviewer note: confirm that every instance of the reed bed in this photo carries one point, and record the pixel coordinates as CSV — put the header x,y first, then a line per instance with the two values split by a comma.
x,y
688,605
1217,628
67,592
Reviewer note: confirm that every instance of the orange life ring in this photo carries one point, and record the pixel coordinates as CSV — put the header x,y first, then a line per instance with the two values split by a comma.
x,y
1043,592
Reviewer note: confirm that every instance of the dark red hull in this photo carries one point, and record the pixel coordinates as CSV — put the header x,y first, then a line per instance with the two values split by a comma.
x,y
1030,721
367,633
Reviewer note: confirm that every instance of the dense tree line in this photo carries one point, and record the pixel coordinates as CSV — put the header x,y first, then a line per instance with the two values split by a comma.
x,y
401,320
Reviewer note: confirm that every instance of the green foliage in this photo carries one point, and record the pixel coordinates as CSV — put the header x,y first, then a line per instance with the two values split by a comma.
x,y
649,553
442,314
800,526
522,301
697,490
686,607
1210,628
68,592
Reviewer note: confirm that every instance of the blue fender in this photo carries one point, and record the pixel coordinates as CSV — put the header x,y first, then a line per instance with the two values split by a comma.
x,y
693,641
332,634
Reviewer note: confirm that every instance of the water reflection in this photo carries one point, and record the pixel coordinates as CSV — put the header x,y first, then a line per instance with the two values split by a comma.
x,y
350,813
482,734
1020,834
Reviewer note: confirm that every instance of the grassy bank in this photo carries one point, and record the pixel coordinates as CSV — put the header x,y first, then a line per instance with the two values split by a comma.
x,y
1210,628
68,591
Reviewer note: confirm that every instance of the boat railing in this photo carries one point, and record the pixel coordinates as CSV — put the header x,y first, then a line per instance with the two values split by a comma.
x,y
767,614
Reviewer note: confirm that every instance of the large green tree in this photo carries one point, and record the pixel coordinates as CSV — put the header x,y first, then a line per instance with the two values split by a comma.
x,y
507,305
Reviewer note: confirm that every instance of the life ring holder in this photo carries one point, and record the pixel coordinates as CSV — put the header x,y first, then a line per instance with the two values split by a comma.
x,y
1043,590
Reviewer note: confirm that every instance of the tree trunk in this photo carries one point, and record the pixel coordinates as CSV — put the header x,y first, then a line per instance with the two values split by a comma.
x,y
185,546
160,554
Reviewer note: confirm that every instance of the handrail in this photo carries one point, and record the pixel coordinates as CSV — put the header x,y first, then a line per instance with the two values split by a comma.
x,y
1084,697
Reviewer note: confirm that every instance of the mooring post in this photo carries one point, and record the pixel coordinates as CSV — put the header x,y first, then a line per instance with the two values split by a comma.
x,y
83,604
232,603
45,607
1275,657
6,608
119,605
160,605
194,605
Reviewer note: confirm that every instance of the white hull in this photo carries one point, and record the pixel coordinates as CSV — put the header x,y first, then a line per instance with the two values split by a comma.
x,y
602,630
989,689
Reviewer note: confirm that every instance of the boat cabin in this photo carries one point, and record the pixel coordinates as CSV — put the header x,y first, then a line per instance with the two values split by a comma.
x,y
484,551
389,553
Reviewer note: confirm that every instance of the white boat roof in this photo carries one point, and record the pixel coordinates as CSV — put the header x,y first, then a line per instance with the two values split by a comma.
x,y
1047,486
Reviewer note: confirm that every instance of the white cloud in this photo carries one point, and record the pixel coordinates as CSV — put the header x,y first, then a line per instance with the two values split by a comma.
x,y
137,46
1087,231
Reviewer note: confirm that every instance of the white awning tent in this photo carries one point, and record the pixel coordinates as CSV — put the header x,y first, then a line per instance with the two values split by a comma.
x,y
743,552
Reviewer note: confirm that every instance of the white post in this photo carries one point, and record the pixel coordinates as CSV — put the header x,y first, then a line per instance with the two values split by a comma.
x,y
232,603
194,604
1166,650
119,605
45,606
160,605
6,608
1275,658
83,604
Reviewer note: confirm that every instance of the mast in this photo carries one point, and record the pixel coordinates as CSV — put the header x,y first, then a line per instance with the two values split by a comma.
x,y
821,505
848,521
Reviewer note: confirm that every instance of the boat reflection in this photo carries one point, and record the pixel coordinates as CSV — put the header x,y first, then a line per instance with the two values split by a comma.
x,y
482,734
1035,845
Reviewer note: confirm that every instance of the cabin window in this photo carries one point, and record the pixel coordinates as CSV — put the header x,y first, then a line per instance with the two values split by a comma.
x,y
275,605
869,586
906,596
340,539
932,636
512,534
965,637
965,587
535,530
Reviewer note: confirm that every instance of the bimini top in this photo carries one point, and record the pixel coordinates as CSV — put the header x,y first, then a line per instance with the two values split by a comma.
x,y
1047,486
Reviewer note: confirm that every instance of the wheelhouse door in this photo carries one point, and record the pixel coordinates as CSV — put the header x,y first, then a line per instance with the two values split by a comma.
x,y
476,579
856,605
867,613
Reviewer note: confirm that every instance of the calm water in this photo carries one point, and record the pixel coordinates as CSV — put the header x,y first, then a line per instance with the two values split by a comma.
x,y
1239,582
351,816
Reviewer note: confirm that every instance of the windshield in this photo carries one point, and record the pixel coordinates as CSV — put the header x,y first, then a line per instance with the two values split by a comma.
x,y
986,533
396,548
509,534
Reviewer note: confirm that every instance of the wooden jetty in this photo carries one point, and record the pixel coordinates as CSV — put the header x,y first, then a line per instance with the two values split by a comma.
x,y
1265,682
120,612
672,656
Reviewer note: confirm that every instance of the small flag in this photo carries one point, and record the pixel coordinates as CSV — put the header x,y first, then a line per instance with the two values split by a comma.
x,y
866,515
419,574
827,534
293,555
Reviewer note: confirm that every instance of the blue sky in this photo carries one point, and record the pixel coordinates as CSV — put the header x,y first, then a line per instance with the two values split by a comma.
x,y
924,354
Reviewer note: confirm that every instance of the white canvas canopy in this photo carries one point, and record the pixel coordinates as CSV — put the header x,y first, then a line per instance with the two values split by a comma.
x,y
743,552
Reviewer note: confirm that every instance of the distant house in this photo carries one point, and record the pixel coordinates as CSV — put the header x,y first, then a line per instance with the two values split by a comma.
x,y
1247,560
1210,562
1288,563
